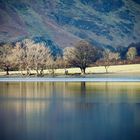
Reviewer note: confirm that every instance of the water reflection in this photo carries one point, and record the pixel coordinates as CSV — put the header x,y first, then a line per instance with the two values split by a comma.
x,y
94,92
71,110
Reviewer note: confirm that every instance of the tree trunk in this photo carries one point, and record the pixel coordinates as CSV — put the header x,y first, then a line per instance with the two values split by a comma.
x,y
20,69
7,70
66,72
83,71
28,72
37,73
41,72
52,72
106,69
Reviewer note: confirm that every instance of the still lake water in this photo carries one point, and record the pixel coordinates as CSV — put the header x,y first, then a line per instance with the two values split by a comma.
x,y
69,110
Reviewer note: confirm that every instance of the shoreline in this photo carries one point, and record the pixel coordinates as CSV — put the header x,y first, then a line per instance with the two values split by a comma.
x,y
34,79
132,69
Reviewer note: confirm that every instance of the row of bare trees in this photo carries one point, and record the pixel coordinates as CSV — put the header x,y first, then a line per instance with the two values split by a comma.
x,y
28,55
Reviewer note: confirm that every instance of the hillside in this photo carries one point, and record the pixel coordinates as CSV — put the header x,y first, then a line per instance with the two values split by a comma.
x,y
62,23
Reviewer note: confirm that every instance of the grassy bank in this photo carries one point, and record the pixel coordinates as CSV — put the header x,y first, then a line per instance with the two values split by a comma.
x,y
133,68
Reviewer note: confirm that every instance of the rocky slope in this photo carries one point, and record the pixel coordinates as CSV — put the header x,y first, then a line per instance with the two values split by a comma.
x,y
61,23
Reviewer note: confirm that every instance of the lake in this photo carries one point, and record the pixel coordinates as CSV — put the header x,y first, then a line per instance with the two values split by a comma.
x,y
69,110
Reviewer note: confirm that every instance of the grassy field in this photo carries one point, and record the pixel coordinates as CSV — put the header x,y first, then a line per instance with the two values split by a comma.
x,y
133,68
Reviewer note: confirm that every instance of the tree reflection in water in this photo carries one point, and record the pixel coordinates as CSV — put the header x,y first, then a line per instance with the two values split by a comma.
x,y
69,110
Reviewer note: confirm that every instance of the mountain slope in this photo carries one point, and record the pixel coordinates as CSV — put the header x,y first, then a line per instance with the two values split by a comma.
x,y
102,22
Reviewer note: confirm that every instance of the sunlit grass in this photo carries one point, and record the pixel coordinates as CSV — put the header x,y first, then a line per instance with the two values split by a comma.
x,y
133,68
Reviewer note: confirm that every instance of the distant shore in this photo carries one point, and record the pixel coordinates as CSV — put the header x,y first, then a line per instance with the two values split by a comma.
x,y
116,69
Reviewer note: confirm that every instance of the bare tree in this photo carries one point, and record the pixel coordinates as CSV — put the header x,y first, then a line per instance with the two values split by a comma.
x,y
131,53
60,62
6,58
19,56
82,55
51,65
109,57
67,57
37,56
31,56
106,60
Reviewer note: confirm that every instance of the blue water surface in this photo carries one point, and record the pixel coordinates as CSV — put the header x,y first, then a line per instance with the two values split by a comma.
x,y
69,110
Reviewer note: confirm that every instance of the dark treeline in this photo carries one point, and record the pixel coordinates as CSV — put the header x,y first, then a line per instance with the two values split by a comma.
x,y
28,55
